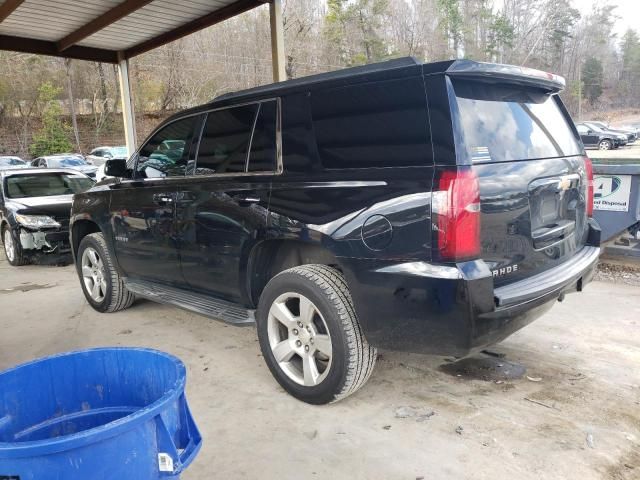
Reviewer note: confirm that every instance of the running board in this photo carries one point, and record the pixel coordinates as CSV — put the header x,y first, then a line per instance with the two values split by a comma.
x,y
194,302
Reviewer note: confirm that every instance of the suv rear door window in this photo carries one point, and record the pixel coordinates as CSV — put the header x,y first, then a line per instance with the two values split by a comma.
x,y
225,140
166,154
377,124
263,144
503,123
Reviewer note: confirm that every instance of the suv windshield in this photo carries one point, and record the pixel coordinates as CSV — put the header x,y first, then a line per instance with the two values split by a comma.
x,y
503,123
44,185
11,162
66,162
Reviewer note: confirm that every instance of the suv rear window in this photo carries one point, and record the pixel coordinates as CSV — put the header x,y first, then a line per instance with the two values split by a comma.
x,y
503,123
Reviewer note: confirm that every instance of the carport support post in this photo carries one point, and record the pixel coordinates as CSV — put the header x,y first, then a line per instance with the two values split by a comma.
x,y
277,41
127,106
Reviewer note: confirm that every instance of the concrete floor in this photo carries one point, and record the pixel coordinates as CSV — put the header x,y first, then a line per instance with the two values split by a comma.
x,y
574,415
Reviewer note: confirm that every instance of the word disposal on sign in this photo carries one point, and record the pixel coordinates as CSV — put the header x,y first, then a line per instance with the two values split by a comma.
x,y
611,192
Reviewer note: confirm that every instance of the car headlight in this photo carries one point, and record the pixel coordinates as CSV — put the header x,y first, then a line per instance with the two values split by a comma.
x,y
36,221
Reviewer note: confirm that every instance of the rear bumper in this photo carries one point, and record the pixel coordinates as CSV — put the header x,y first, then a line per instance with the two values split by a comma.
x,y
455,310
520,303
549,282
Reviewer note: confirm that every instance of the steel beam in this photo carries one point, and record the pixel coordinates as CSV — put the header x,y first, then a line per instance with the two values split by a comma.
x,y
127,105
277,41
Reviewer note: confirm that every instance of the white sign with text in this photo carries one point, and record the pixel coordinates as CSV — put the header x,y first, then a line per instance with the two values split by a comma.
x,y
611,192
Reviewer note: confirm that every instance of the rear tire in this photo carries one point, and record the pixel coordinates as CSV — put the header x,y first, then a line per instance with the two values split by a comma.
x,y
306,318
12,248
101,283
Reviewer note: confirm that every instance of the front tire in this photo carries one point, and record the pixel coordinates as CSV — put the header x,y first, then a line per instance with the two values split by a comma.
x,y
101,283
310,336
12,248
605,144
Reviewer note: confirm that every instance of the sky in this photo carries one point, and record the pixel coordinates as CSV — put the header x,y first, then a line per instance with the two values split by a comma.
x,y
627,10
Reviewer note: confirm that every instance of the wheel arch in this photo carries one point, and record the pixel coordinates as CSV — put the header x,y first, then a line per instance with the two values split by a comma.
x,y
80,229
270,257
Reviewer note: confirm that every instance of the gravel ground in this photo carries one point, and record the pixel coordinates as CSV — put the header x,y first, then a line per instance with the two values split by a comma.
x,y
627,273
629,152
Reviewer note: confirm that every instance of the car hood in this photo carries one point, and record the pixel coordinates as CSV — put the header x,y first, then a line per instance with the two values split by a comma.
x,y
620,131
58,206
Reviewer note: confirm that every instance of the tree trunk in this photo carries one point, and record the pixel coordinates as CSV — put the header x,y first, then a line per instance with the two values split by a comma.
x,y
103,88
72,106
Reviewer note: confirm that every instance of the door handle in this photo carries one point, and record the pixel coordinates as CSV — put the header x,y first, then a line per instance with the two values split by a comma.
x,y
162,199
246,201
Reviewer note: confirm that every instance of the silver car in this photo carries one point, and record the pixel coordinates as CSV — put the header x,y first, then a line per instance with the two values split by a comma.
x,y
98,156
10,161
73,161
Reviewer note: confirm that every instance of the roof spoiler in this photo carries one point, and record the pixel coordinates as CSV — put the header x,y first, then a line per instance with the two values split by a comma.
x,y
548,82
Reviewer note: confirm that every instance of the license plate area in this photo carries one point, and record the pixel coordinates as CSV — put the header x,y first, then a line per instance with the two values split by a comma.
x,y
553,206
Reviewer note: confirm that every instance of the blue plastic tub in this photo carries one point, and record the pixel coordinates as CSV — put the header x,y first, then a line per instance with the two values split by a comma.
x,y
106,413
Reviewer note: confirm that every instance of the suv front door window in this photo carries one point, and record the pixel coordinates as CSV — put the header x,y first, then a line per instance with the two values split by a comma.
x,y
166,154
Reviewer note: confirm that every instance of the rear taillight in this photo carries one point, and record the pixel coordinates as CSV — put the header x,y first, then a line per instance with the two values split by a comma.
x,y
457,211
588,168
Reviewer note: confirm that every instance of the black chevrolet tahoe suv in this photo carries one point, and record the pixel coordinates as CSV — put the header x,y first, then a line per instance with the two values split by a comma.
x,y
432,208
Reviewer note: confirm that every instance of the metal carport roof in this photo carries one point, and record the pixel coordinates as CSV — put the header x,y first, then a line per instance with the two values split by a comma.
x,y
113,31
98,29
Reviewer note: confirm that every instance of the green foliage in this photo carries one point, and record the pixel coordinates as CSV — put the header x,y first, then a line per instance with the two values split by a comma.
x,y
352,29
631,56
451,22
593,78
561,23
53,137
500,35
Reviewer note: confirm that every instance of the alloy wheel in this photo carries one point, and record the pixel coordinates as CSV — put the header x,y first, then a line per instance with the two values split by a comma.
x,y
299,339
93,274
8,245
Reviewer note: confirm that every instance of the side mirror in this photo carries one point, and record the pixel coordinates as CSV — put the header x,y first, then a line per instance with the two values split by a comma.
x,y
116,168
589,132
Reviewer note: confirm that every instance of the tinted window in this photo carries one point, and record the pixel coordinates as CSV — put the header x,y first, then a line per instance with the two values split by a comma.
x,y
225,140
595,127
166,154
263,144
381,124
509,123
43,185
